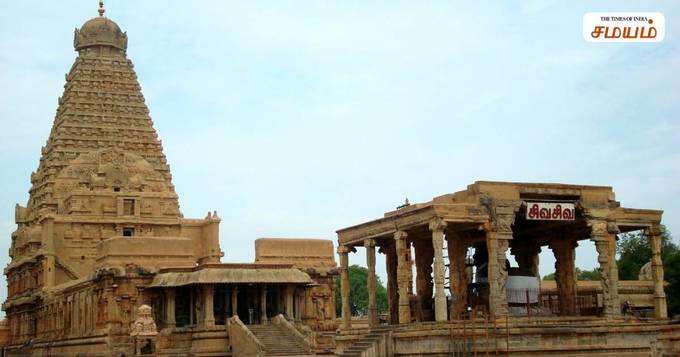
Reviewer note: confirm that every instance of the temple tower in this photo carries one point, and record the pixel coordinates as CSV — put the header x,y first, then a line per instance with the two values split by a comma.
x,y
102,172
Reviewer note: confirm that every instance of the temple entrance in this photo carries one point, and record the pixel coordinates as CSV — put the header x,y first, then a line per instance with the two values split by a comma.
x,y
560,233
248,306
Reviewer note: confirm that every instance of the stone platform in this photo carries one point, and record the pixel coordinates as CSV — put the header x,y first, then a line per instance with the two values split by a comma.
x,y
523,337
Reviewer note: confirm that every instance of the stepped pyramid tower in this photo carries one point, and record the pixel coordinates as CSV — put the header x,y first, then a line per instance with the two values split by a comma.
x,y
102,195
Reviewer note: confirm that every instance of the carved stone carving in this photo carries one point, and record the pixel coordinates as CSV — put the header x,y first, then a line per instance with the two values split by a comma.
x,y
144,325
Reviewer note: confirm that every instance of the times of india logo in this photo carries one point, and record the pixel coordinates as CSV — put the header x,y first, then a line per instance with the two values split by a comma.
x,y
624,27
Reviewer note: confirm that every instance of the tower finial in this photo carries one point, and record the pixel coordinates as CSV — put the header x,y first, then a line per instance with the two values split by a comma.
x,y
101,8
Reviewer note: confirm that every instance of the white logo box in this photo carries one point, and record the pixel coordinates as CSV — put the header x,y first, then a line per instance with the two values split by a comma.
x,y
624,27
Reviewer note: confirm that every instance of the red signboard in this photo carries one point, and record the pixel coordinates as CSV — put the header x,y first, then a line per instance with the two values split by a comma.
x,y
550,211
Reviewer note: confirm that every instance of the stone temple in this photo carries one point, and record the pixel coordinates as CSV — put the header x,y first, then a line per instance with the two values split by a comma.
x,y
102,236
103,263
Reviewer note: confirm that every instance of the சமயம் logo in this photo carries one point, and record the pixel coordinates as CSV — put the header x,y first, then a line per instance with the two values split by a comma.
x,y
624,27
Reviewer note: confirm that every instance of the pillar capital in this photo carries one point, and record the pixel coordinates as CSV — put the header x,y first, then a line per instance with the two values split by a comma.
x,y
601,228
369,243
437,224
399,235
343,249
654,230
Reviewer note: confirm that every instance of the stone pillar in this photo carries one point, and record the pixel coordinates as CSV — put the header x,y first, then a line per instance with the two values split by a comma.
x,y
371,283
655,235
402,277
263,305
290,290
603,234
170,307
527,257
234,301
208,313
457,251
344,286
112,311
497,244
565,273
437,226
424,255
392,290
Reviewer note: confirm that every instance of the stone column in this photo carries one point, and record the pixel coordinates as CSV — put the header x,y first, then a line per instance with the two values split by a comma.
x,y
112,311
457,251
290,290
344,286
208,314
392,291
424,255
603,234
660,310
234,301
565,273
437,226
402,277
170,307
371,283
263,305
527,257
497,244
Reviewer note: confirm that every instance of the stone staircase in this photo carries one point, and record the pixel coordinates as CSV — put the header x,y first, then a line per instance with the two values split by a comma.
x,y
278,342
370,345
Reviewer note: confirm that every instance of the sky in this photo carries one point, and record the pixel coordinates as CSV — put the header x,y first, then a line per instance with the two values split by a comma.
x,y
298,118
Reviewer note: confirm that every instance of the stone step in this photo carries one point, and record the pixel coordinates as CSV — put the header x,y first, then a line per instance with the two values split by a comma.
x,y
278,342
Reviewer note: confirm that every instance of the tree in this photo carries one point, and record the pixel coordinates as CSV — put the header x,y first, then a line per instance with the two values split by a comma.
x,y
358,292
634,252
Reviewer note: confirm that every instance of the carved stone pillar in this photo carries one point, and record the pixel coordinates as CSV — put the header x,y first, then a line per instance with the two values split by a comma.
x,y
660,308
424,254
603,234
392,291
565,273
112,311
263,305
371,283
344,286
497,244
170,307
208,314
402,277
437,226
457,251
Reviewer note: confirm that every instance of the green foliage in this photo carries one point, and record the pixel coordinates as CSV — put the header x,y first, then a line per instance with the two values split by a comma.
x,y
634,252
580,275
358,292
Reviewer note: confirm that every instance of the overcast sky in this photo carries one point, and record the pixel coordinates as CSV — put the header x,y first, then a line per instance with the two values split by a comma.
x,y
295,119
